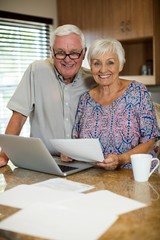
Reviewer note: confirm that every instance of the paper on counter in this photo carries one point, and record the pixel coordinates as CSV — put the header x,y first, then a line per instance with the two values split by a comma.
x,y
107,201
3,183
83,149
86,217
64,184
59,222
24,195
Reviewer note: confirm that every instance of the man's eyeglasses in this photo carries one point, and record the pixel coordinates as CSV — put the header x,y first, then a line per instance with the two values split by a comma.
x,y
63,55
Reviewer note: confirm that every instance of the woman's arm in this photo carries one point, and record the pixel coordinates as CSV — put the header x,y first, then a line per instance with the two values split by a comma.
x,y
114,161
141,148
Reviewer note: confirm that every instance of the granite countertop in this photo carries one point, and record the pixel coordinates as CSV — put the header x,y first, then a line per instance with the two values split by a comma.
x,y
141,224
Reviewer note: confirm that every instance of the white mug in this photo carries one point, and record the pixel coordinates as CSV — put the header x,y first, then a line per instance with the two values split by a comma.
x,y
141,165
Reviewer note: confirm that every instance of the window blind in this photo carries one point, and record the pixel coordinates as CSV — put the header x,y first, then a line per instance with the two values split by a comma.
x,y
21,42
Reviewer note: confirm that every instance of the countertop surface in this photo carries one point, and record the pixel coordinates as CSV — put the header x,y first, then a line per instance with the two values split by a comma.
x,y
143,223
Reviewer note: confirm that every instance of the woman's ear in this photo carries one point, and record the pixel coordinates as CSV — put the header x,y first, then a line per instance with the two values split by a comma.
x,y
121,68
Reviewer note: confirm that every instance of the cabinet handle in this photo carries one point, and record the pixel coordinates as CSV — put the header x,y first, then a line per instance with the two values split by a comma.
x,y
128,25
122,26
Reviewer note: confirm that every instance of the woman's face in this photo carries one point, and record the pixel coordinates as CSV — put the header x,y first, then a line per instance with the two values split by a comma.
x,y
105,69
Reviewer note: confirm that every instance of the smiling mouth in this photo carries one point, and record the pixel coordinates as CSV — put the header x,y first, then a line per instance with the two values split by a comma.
x,y
67,65
104,76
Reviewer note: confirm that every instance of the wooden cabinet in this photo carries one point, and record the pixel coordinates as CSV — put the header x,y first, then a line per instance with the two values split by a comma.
x,y
134,22
131,22
83,14
127,19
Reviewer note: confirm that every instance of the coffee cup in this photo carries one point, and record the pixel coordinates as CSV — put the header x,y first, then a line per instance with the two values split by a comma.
x,y
141,165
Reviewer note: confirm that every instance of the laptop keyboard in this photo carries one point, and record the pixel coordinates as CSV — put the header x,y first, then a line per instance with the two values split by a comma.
x,y
66,168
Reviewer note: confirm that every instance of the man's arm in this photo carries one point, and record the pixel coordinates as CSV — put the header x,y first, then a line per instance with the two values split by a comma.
x,y
16,123
14,127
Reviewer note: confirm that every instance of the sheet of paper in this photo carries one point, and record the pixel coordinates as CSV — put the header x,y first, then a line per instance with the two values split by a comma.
x,y
3,183
87,149
104,200
24,195
64,184
62,223
86,217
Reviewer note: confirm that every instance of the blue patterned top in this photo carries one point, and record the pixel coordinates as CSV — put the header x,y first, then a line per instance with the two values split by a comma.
x,y
120,126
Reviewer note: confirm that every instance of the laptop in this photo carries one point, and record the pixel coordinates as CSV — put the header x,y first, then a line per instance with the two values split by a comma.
x,y
31,153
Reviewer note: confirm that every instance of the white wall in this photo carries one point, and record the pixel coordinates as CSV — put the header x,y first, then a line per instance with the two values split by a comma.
x,y
39,8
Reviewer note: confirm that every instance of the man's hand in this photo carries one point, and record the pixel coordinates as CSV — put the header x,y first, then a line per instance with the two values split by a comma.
x,y
64,158
3,159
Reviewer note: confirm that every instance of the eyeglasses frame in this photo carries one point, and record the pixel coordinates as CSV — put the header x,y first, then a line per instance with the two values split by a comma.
x,y
67,55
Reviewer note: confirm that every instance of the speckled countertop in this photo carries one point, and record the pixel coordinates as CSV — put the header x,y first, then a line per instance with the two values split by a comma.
x,y
142,224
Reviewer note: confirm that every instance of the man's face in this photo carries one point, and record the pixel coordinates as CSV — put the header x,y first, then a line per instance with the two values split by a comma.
x,y
67,67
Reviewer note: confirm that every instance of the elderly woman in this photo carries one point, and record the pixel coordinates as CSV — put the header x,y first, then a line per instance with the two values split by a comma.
x,y
117,111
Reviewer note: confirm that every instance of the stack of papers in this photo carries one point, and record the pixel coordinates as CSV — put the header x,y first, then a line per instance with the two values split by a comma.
x,y
63,214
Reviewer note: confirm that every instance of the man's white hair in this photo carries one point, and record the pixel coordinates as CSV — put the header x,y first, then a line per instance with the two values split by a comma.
x,y
66,30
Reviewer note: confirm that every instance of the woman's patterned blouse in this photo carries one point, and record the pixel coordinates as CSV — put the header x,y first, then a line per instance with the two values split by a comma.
x,y
120,126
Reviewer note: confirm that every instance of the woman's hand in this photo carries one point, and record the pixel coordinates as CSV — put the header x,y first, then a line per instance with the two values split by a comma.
x,y
110,163
65,158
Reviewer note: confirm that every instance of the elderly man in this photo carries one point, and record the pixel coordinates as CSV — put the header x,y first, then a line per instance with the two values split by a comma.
x,y
50,89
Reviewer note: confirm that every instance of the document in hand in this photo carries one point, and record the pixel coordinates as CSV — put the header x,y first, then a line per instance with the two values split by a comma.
x,y
82,149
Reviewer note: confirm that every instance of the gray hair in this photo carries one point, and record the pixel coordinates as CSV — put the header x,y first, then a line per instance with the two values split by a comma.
x,y
102,46
66,30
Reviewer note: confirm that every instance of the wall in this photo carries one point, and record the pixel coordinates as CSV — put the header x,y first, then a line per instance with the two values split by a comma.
x,y
40,8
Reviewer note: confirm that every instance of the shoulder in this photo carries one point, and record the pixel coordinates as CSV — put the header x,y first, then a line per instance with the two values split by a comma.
x,y
137,87
139,95
133,84
42,64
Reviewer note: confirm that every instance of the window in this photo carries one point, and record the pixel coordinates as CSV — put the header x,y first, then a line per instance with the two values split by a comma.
x,y
21,42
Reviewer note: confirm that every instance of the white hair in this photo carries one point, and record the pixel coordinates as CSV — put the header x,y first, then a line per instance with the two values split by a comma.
x,y
66,30
102,46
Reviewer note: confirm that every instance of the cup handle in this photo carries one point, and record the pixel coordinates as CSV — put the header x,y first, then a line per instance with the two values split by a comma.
x,y
153,159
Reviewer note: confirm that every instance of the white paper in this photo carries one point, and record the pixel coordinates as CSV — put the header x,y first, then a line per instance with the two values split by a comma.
x,y
83,149
64,184
109,202
61,223
24,195
3,183
86,217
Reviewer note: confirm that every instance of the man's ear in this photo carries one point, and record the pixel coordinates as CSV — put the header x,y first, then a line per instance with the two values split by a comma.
x,y
50,48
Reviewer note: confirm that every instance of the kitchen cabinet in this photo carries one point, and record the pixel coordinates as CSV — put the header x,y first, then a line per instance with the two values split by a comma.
x,y
128,19
134,22
83,14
